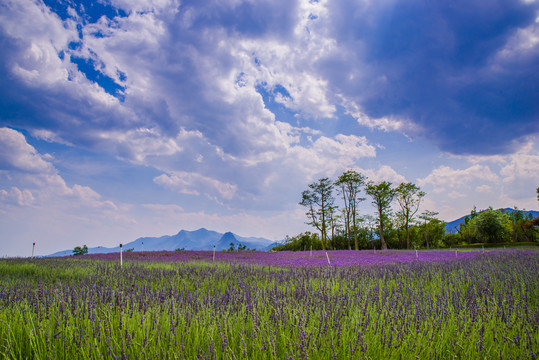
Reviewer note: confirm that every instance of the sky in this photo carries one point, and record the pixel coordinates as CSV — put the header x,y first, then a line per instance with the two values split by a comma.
x,y
128,118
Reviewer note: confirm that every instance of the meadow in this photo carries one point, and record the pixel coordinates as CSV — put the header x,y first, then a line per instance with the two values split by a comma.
x,y
261,305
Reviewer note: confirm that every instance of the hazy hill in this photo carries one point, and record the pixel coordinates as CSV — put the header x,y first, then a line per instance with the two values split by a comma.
x,y
200,239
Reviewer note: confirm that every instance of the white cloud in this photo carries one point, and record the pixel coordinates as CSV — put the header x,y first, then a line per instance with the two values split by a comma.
x,y
196,184
383,173
17,196
484,189
18,155
521,166
24,166
327,156
387,123
445,176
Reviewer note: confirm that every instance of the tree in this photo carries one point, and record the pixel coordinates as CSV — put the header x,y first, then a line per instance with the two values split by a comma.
x,y
468,231
427,216
382,195
369,227
319,201
493,226
350,184
301,242
80,250
409,198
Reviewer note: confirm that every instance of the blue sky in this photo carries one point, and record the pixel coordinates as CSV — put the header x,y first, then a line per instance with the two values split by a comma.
x,y
129,118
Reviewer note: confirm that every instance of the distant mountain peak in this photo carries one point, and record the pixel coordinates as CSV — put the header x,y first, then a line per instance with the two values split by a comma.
x,y
201,239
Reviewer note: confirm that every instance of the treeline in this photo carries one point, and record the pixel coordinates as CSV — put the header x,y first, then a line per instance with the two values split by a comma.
x,y
332,209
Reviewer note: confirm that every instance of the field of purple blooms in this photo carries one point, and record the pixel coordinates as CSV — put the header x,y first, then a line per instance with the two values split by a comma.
x,y
262,305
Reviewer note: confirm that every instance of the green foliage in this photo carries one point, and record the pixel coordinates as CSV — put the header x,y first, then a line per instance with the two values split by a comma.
x,y
434,232
319,200
409,198
349,185
382,195
301,242
179,249
80,250
493,226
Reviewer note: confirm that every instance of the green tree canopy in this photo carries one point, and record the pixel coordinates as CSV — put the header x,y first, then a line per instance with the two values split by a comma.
x,y
382,195
409,198
80,250
350,184
493,226
319,201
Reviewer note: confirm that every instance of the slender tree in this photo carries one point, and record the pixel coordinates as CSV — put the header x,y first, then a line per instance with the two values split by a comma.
x,y
350,184
427,216
370,225
382,195
409,198
319,201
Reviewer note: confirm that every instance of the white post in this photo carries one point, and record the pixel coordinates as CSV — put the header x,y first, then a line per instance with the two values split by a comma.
x,y
213,253
121,260
311,250
33,247
483,249
416,254
456,254
329,263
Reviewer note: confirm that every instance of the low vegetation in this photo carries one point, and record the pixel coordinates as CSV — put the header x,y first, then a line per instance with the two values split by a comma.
x,y
406,305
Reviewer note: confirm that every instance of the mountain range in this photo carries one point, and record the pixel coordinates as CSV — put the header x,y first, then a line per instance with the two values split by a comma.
x,y
203,239
200,239
453,226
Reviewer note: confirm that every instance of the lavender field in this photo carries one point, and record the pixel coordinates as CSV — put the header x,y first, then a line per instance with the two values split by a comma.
x,y
261,305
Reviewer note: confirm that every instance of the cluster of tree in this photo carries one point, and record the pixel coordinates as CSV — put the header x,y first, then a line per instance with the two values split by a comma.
x,y
335,223
341,227
80,250
241,247
495,226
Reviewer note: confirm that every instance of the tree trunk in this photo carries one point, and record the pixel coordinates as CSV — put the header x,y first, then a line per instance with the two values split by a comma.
x,y
322,240
382,240
356,244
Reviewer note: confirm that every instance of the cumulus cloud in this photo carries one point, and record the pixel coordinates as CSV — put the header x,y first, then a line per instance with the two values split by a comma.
x,y
17,196
445,177
195,184
327,156
522,165
18,155
21,164
383,173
